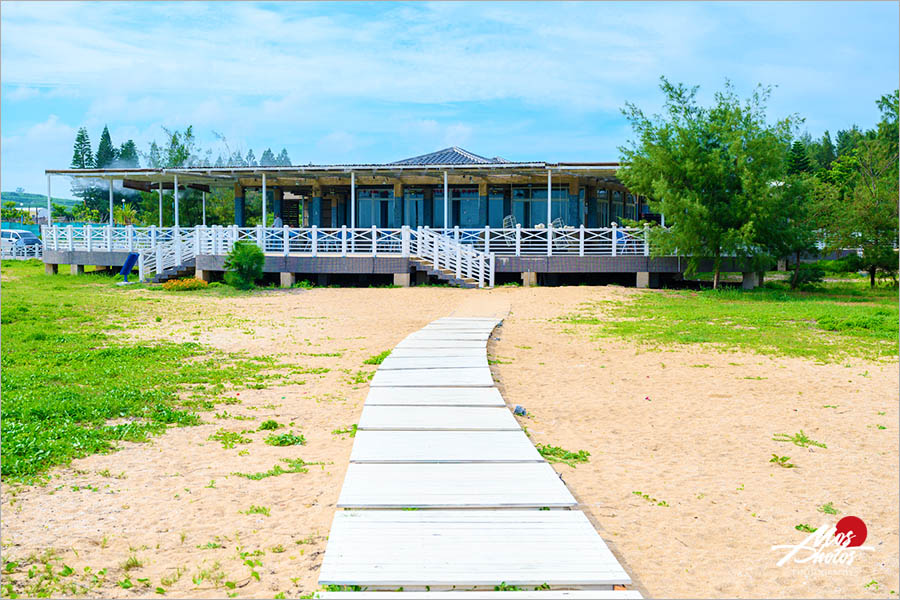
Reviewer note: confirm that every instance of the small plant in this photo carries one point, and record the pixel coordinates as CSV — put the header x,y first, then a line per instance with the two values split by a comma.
x,y
505,587
286,439
295,465
782,461
828,508
244,265
805,528
651,500
132,562
805,275
798,439
377,359
184,285
555,454
360,377
229,438
256,510
269,425
351,430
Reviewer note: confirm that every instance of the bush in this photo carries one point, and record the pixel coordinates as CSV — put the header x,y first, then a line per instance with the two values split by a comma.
x,y
806,275
183,285
245,265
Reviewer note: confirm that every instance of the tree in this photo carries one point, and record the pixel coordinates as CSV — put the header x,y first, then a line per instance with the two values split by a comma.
x,y
268,159
106,152
251,158
179,150
128,155
154,157
283,159
798,161
825,152
82,156
710,171
125,214
61,212
847,140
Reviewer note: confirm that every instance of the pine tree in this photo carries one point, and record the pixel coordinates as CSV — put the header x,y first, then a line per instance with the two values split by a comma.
x,y
798,161
153,158
237,160
106,152
826,154
268,159
128,155
82,157
251,158
220,162
283,159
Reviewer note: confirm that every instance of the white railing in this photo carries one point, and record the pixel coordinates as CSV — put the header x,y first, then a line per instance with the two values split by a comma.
x,y
16,252
449,255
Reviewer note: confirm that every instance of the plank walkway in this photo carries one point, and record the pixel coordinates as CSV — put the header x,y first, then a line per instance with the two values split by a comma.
x,y
446,493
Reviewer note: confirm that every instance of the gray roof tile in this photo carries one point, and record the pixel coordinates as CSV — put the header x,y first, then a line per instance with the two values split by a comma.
x,y
450,156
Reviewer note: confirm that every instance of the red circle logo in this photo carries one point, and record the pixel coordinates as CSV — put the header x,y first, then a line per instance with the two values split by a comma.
x,y
852,528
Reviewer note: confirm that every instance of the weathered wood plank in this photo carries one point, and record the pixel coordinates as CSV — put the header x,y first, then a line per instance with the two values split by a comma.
x,y
459,377
452,485
437,418
443,446
417,352
443,343
394,548
425,396
432,362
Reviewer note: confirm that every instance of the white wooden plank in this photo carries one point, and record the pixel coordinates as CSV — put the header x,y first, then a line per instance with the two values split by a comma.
x,y
432,362
437,418
467,319
467,548
443,446
491,595
459,327
453,485
448,396
460,377
423,334
443,343
414,352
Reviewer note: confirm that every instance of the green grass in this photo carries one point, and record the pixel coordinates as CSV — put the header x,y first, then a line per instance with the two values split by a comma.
x,y
832,321
286,439
66,374
555,454
294,465
377,359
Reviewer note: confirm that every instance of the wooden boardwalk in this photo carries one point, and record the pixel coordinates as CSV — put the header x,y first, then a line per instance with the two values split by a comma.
x,y
446,493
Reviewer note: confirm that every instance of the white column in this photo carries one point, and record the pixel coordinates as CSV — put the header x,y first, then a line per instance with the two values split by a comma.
x,y
160,204
549,195
263,199
111,222
176,201
204,209
49,204
446,200
352,200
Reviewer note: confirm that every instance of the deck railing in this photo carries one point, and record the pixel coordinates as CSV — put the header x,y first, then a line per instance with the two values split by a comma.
x,y
14,252
449,255
343,241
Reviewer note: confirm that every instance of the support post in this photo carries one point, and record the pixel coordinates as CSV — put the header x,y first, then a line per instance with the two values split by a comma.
x,y
352,211
175,188
404,243
614,237
549,200
646,240
529,279
204,209
487,239
264,223
203,275
288,279
401,279
76,269
750,280
160,205
446,201
111,221
518,239
581,240
49,203
239,205
286,241
315,240
51,269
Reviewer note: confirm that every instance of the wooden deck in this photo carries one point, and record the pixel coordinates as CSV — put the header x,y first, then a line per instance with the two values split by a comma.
x,y
436,435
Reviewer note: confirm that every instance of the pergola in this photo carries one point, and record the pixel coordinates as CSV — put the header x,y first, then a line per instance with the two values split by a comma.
x,y
601,174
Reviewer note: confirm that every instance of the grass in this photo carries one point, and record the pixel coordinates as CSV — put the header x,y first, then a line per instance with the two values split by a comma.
x,y
269,425
229,438
377,359
832,321
828,508
257,510
67,373
555,454
650,499
782,461
295,465
346,430
798,439
286,439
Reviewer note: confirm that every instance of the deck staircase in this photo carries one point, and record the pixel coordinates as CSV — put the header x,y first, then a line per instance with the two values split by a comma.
x,y
175,272
422,265
169,259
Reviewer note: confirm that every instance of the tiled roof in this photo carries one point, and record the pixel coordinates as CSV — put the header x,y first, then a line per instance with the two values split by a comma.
x,y
450,156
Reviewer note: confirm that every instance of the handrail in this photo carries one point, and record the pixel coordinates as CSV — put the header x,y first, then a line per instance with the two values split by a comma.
x,y
447,254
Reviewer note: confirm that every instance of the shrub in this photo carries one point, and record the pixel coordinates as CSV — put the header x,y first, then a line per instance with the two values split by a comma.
x,y
806,275
182,285
286,439
245,265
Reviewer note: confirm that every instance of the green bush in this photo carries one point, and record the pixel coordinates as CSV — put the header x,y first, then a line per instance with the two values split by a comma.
x,y
806,275
244,265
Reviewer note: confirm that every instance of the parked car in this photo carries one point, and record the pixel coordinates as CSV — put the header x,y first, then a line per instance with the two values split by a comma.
x,y
19,238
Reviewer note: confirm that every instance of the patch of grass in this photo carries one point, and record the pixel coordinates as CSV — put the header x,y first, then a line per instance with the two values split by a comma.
x,y
347,430
294,465
256,510
67,374
782,461
286,439
650,499
828,508
229,438
132,562
269,425
377,359
798,439
805,528
555,454
828,323
360,377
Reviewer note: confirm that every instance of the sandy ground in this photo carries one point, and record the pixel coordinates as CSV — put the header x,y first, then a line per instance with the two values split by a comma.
x,y
697,438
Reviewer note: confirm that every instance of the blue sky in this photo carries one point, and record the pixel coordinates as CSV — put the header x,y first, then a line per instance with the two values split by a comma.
x,y
374,82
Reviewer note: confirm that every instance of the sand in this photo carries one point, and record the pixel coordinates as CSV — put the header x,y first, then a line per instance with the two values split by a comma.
x,y
701,443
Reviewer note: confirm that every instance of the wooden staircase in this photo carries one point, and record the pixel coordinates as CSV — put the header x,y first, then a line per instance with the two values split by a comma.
x,y
176,272
445,275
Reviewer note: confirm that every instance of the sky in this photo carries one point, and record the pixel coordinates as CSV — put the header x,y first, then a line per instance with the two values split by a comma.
x,y
377,82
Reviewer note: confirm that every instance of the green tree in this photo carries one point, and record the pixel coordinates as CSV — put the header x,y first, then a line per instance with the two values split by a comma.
x,y
106,152
798,161
283,159
82,156
825,152
128,155
180,149
710,170
244,265
251,158
268,159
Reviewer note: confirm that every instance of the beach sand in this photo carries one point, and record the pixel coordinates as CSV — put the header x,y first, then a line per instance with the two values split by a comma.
x,y
698,438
